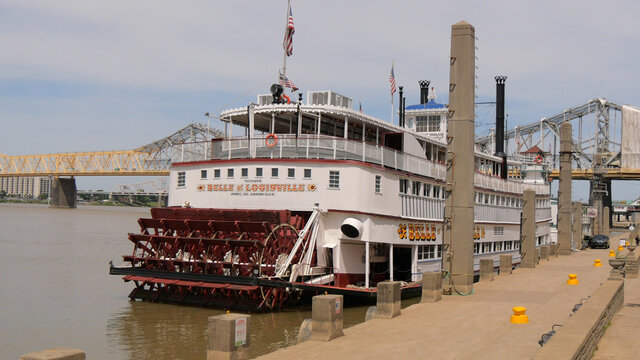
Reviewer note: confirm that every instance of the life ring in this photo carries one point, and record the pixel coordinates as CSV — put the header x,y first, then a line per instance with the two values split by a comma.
x,y
538,159
285,97
271,140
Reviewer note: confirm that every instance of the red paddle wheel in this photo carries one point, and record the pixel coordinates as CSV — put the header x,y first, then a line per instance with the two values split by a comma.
x,y
234,247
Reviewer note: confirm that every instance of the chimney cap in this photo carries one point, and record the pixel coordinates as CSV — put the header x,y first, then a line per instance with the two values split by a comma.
x,y
424,83
500,79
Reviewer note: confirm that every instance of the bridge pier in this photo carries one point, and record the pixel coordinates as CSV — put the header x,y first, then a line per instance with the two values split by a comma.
x,y
63,193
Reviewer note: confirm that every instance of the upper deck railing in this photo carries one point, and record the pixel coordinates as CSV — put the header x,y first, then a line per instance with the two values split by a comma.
x,y
288,146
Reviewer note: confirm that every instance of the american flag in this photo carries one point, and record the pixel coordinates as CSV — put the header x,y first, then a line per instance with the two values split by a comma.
x,y
285,82
392,80
288,35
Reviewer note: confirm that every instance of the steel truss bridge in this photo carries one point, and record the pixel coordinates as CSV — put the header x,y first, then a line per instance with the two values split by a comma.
x,y
597,145
153,159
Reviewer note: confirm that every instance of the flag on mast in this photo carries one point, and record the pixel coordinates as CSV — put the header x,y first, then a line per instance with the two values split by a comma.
x,y
285,82
288,35
392,80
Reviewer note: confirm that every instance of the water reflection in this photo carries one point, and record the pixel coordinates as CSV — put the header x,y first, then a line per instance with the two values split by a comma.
x,y
146,330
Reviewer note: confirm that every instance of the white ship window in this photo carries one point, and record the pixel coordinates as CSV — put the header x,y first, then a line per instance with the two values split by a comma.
x,y
497,246
203,174
476,248
334,179
436,192
244,172
429,123
416,187
216,173
427,190
274,172
486,198
378,184
307,173
426,252
479,198
486,247
291,173
258,172
498,230
230,173
403,186
181,179
507,245
493,200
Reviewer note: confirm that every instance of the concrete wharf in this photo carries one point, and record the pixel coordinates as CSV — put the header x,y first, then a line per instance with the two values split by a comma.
x,y
478,326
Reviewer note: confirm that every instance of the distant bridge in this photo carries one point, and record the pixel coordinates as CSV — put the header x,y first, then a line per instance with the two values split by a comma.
x,y
153,159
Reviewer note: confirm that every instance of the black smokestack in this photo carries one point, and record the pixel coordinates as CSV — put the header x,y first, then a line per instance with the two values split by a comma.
x,y
400,108
500,80
424,91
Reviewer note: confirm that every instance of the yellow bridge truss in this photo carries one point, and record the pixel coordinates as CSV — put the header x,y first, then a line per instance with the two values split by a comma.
x,y
154,159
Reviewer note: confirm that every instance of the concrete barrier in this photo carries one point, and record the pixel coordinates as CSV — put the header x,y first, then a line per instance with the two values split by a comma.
x,y
327,317
631,264
431,286
304,333
228,337
59,353
388,303
544,252
578,338
506,264
486,269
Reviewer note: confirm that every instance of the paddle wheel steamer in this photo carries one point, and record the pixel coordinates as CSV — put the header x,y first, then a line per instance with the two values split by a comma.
x,y
316,197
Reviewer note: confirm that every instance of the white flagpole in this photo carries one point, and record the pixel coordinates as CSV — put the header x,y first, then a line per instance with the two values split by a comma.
x,y
284,48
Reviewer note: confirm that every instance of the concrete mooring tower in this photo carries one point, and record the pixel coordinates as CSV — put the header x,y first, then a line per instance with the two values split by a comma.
x,y
458,239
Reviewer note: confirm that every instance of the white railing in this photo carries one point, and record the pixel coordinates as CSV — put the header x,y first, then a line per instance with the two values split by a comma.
x,y
325,147
495,213
422,207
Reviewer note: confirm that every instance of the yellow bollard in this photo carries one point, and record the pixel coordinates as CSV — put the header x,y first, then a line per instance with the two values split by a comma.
x,y
612,253
573,279
626,243
597,263
518,316
620,248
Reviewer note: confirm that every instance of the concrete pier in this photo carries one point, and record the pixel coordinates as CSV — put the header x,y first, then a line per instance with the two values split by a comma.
x,y
564,191
458,214
506,264
606,230
431,286
327,317
544,252
388,302
528,243
228,337
63,193
486,269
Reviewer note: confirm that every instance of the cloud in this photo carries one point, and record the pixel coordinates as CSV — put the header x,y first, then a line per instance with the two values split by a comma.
x,y
149,67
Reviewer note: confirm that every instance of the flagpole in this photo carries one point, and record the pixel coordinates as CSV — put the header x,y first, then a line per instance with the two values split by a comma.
x,y
392,120
284,49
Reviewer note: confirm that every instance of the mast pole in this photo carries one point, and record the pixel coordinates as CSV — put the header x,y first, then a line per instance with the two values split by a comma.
x,y
284,48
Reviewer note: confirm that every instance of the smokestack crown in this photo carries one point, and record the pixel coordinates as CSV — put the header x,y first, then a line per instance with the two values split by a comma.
x,y
424,91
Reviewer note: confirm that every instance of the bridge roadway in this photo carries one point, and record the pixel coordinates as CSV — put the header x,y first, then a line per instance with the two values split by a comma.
x,y
476,326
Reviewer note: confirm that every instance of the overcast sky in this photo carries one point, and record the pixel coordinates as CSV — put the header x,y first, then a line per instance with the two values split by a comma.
x,y
106,75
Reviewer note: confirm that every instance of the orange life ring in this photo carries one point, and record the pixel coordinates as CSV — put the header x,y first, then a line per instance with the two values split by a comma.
x,y
271,140
538,159
283,96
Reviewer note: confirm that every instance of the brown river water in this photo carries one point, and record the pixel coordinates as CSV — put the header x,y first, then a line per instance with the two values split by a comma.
x,y
55,291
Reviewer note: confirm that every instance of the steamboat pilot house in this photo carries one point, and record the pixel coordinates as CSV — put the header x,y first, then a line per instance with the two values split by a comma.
x,y
372,193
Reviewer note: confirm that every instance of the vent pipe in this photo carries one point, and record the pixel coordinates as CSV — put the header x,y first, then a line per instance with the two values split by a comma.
x,y
424,91
500,80
401,108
